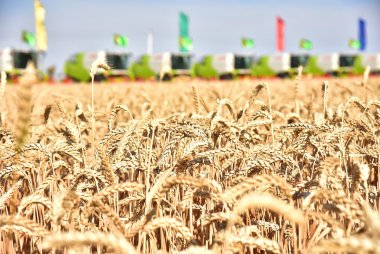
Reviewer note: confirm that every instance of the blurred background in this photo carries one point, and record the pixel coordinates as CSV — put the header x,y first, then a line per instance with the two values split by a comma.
x,y
215,26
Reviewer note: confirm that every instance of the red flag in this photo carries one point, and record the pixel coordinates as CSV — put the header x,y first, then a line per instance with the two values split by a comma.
x,y
280,34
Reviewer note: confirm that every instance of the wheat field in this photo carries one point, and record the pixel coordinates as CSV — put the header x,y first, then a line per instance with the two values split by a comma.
x,y
281,166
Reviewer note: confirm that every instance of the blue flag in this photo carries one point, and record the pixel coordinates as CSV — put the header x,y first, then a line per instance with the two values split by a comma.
x,y
362,34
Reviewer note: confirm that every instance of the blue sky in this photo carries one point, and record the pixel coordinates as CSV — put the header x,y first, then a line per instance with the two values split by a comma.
x,y
216,26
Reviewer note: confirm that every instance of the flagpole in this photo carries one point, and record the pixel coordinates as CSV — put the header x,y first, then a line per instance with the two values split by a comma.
x,y
149,43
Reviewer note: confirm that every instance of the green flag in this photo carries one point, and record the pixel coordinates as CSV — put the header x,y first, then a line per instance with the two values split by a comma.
x,y
185,42
120,40
29,38
306,44
355,44
183,25
247,43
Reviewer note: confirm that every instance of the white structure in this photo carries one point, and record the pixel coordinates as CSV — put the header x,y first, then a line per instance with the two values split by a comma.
x,y
170,63
280,62
371,60
229,63
16,60
328,62
118,61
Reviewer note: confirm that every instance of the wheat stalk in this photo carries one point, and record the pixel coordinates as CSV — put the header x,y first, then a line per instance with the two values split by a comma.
x,y
75,239
3,82
252,201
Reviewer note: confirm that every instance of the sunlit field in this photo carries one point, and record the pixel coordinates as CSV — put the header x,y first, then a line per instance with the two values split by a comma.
x,y
249,166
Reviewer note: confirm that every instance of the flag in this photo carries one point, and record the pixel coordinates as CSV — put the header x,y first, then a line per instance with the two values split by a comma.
x,y
183,25
247,43
41,35
354,44
29,38
362,34
280,34
185,42
120,40
306,44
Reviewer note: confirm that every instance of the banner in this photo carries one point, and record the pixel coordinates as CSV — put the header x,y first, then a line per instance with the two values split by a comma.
x,y
362,34
185,42
120,40
41,35
29,38
247,43
354,44
306,44
280,34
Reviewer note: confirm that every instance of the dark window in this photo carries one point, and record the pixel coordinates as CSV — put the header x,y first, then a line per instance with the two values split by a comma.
x,y
346,61
243,62
296,61
21,59
180,62
117,61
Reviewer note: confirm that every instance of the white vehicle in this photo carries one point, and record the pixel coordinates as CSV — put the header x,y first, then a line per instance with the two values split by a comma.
x,y
283,63
346,62
335,63
224,64
373,61
79,65
328,63
280,63
227,65
169,65
14,61
243,63
297,60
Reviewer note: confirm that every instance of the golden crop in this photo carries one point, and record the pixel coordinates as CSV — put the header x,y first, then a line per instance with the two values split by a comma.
x,y
285,166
